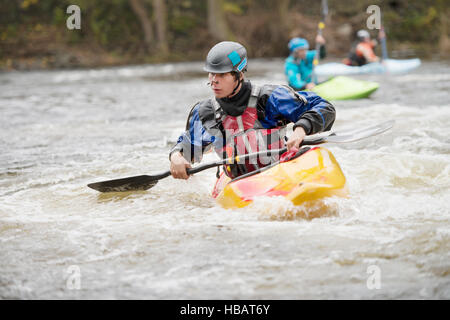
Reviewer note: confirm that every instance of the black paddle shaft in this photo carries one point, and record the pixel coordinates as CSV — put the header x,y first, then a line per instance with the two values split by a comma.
x,y
145,182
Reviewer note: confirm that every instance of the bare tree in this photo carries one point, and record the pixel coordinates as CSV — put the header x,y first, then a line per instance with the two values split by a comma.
x,y
444,39
161,25
217,25
283,13
139,9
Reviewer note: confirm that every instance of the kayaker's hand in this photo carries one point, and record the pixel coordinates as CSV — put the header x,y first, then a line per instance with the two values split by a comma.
x,y
310,85
296,138
178,165
320,39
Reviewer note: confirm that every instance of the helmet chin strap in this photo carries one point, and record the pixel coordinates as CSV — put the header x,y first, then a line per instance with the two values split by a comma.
x,y
235,88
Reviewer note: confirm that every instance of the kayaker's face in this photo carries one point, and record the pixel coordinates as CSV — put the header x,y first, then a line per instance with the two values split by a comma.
x,y
222,84
300,53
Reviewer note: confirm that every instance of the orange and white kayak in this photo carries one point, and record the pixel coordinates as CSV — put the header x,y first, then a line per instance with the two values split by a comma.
x,y
312,176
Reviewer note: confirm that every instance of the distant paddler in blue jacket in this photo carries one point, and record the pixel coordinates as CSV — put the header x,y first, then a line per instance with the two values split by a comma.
x,y
299,65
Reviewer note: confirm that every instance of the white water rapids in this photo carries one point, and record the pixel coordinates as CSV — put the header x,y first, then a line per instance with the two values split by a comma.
x,y
60,130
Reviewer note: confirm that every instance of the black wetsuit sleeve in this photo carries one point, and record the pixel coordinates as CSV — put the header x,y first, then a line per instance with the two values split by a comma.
x,y
320,114
315,121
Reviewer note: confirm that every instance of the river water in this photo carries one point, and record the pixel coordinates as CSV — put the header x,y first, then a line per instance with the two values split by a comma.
x,y
61,130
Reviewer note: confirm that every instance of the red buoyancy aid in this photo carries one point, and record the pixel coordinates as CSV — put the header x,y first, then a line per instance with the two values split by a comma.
x,y
244,134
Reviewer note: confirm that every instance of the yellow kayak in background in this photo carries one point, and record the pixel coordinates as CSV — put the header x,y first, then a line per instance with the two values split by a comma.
x,y
312,176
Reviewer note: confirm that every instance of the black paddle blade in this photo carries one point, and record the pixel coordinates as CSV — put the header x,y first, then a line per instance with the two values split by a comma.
x,y
126,184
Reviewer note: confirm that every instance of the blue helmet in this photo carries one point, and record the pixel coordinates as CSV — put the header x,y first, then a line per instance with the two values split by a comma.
x,y
298,43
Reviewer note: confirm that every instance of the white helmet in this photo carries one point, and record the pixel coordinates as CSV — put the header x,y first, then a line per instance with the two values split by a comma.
x,y
363,34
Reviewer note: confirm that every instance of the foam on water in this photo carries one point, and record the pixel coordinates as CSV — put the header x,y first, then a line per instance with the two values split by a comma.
x,y
62,130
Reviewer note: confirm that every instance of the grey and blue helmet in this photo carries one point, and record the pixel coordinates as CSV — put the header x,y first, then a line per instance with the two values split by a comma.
x,y
226,56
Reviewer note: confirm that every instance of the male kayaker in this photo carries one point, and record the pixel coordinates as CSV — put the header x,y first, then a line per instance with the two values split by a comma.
x,y
243,118
362,52
298,67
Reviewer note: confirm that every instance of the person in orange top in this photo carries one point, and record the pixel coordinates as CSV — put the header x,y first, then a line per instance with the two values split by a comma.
x,y
362,50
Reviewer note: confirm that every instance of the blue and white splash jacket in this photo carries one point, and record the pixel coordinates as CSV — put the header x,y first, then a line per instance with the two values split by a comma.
x,y
276,106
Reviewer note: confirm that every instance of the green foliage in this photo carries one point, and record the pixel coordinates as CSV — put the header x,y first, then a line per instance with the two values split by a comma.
x,y
10,32
420,24
59,16
182,24
113,26
230,7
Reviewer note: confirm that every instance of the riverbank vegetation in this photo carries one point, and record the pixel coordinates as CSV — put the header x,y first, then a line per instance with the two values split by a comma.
x,y
34,35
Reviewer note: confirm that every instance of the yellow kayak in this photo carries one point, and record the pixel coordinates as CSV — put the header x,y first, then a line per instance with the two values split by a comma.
x,y
313,175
